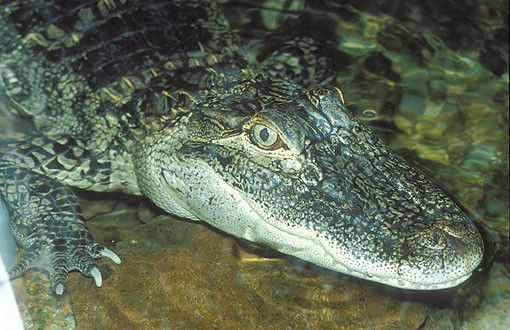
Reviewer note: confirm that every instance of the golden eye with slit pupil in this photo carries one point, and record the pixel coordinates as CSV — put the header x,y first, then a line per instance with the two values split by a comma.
x,y
265,137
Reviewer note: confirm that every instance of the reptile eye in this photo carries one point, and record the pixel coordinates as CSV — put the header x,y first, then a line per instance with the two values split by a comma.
x,y
264,137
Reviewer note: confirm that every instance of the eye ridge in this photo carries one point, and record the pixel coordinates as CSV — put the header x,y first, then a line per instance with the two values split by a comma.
x,y
265,137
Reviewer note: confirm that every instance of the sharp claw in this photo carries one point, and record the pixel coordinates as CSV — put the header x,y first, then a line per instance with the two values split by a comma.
x,y
110,254
59,289
96,274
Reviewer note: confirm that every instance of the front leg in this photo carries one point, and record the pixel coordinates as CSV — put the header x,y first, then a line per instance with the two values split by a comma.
x,y
47,222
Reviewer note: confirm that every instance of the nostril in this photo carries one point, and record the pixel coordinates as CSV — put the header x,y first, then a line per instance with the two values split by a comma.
x,y
458,245
458,239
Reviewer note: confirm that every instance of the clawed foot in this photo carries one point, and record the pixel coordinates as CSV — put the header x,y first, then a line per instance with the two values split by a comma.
x,y
62,258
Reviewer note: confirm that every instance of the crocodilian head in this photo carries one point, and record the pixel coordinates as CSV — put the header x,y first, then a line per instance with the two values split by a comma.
x,y
275,164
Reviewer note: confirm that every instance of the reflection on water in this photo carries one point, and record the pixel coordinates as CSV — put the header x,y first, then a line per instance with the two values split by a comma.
x,y
431,79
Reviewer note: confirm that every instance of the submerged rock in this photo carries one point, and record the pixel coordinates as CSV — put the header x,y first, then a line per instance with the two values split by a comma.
x,y
179,274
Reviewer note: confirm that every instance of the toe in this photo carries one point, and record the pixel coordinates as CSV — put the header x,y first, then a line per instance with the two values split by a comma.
x,y
111,255
96,274
58,280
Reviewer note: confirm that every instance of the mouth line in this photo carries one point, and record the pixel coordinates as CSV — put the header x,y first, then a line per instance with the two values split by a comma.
x,y
393,281
406,284
335,265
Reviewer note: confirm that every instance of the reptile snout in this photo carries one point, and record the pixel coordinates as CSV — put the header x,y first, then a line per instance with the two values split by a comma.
x,y
441,256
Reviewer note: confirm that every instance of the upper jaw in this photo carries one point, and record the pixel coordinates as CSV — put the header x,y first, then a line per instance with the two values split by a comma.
x,y
431,267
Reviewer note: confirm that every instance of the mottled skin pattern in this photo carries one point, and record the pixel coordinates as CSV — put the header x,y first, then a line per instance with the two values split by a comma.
x,y
157,98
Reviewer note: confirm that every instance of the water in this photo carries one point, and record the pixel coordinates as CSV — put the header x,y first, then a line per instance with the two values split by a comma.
x,y
432,80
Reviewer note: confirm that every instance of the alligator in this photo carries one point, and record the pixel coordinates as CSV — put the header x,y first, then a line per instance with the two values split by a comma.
x,y
159,99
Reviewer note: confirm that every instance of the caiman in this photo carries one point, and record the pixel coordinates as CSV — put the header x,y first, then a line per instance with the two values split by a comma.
x,y
159,99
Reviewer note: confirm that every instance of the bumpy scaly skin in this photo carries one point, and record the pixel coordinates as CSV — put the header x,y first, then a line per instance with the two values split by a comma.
x,y
156,98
